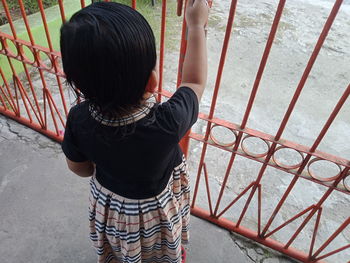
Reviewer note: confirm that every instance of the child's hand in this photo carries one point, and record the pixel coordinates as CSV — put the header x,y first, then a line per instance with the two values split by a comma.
x,y
197,13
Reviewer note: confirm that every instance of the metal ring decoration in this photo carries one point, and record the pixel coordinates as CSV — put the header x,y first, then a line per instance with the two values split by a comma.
x,y
58,64
37,59
43,61
7,49
216,141
2,40
25,57
289,167
347,186
19,49
328,179
256,155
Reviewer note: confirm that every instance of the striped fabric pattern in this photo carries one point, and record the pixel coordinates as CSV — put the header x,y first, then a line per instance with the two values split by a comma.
x,y
140,231
117,121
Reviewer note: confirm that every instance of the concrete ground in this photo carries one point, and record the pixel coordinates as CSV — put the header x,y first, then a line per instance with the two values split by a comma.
x,y
44,209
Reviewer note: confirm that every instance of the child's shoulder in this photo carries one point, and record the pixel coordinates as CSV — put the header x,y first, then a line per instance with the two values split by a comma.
x,y
80,108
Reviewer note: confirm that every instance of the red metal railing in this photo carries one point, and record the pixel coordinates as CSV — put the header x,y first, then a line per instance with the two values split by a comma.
x,y
44,108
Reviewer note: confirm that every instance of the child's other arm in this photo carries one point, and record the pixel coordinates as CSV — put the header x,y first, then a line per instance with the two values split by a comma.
x,y
83,169
194,71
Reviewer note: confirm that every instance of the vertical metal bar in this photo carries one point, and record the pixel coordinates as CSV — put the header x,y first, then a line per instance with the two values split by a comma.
x,y
13,30
7,86
331,118
52,58
14,76
207,188
16,86
16,96
162,47
309,66
34,126
290,221
82,3
332,237
254,91
133,4
56,109
6,98
184,143
301,84
259,209
333,252
49,101
25,20
36,59
318,140
252,235
44,100
263,62
2,93
63,16
216,91
317,223
236,199
179,7
24,93
317,206
43,18
9,18
183,48
2,100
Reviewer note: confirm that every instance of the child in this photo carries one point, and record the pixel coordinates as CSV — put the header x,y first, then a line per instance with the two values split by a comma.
x,y
139,200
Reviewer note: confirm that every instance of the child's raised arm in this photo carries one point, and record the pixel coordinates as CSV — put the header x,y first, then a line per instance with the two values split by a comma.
x,y
194,71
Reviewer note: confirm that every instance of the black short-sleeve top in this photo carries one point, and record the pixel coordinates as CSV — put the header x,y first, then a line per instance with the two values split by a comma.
x,y
135,155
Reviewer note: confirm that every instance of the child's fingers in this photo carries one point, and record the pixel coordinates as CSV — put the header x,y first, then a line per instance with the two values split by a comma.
x,y
199,2
195,3
197,12
190,3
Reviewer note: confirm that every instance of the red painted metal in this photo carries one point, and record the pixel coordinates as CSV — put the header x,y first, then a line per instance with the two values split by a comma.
x,y
252,235
179,7
207,187
162,49
63,16
185,141
215,95
330,239
289,112
250,105
317,224
251,99
40,109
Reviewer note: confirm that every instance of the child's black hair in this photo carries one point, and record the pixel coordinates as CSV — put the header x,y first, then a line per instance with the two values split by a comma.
x,y
108,53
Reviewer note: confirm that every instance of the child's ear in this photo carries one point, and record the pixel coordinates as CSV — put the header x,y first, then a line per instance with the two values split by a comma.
x,y
152,82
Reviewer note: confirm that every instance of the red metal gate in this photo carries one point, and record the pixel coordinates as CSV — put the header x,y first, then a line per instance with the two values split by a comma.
x,y
30,100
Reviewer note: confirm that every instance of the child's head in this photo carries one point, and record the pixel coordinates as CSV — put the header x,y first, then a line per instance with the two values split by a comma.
x,y
108,53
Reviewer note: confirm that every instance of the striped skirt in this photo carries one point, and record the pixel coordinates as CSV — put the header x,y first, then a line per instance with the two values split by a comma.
x,y
141,231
